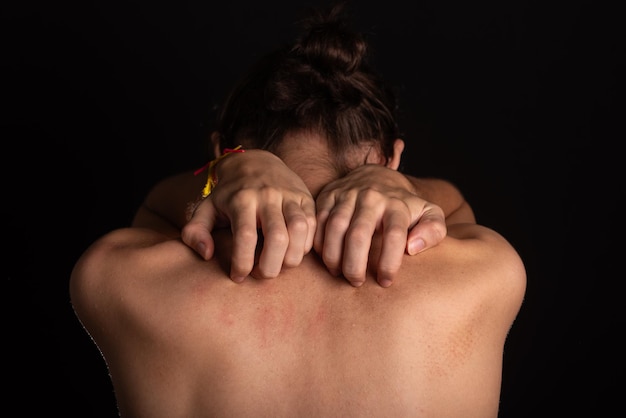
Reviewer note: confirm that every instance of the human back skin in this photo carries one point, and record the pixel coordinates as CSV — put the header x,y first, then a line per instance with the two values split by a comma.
x,y
181,339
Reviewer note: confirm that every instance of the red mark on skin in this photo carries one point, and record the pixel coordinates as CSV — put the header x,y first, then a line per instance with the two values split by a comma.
x,y
317,323
289,319
226,316
265,322
275,323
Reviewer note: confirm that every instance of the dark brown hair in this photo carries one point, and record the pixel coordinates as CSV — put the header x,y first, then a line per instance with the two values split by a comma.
x,y
321,83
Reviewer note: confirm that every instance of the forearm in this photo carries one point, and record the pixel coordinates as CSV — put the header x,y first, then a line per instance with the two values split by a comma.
x,y
447,196
165,207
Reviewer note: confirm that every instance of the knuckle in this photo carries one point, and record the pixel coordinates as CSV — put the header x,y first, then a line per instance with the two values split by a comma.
x,y
400,205
270,193
311,222
190,231
277,236
298,224
246,234
396,232
370,197
358,236
241,198
338,219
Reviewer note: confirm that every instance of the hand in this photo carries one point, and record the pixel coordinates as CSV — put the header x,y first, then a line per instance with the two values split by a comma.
x,y
368,199
249,196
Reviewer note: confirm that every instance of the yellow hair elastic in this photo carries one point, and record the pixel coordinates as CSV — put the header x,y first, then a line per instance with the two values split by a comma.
x,y
212,177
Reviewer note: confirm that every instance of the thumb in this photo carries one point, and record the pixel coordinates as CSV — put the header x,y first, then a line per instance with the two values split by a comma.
x,y
428,232
197,232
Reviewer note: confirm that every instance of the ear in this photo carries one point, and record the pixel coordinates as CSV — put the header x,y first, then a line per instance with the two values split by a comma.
x,y
398,148
215,142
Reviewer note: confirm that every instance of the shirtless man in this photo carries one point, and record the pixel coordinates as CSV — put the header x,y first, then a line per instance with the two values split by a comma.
x,y
182,339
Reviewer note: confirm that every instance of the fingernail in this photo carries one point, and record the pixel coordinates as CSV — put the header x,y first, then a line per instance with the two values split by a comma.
x,y
385,282
201,249
238,279
416,246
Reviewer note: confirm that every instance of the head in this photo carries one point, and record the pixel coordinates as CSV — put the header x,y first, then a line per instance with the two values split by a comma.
x,y
319,87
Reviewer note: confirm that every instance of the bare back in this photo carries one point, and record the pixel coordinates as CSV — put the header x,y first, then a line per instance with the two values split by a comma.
x,y
181,339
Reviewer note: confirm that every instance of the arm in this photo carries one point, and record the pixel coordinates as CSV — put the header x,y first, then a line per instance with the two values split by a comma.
x,y
165,210
373,198
165,207
249,195
256,190
447,196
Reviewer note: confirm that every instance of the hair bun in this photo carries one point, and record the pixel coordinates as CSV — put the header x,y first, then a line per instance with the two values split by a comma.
x,y
321,84
328,45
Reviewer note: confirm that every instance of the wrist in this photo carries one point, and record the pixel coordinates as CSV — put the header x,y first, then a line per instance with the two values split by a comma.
x,y
212,178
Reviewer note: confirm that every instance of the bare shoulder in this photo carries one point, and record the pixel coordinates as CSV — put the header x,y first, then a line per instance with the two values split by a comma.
x,y
119,245
475,267
486,246
446,195
117,264
472,248
121,249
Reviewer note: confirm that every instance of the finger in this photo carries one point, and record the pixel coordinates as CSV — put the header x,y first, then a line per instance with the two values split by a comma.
x,y
337,225
358,240
245,236
394,238
197,232
298,230
428,232
323,205
308,207
275,240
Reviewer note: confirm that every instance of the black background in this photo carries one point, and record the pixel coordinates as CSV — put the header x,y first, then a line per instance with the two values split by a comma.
x,y
514,101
